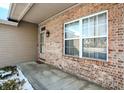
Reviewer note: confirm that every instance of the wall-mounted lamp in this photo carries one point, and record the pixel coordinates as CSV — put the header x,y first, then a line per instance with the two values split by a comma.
x,y
47,33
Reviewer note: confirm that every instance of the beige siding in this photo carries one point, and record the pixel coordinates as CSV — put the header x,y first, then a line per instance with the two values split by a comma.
x,y
18,44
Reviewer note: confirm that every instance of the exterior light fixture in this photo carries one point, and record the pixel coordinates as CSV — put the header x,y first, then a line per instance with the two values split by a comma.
x,y
47,33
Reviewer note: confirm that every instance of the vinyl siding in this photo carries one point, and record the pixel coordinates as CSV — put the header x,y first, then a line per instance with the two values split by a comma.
x,y
18,44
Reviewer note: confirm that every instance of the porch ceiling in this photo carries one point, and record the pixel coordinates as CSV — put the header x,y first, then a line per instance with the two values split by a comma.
x,y
38,12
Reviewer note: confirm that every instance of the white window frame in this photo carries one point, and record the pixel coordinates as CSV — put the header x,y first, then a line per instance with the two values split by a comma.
x,y
43,32
39,39
80,37
71,38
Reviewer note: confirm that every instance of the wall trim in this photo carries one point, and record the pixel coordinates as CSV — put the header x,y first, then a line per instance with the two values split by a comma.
x,y
5,22
11,9
22,14
27,8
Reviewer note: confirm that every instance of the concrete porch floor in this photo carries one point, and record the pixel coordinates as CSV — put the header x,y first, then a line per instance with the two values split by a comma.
x,y
46,77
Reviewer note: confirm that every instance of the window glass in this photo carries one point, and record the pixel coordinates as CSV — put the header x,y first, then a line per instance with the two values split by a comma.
x,y
85,27
91,26
94,48
88,47
102,18
72,47
42,46
72,30
102,30
102,26
101,49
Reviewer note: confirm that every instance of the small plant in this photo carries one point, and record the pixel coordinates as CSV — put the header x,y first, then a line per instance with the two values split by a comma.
x,y
15,84
9,68
10,79
8,71
9,85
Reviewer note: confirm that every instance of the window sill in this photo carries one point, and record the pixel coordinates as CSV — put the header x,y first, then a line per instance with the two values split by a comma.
x,y
5,22
94,59
71,56
83,58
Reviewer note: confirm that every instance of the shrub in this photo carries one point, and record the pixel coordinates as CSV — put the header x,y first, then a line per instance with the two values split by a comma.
x,y
9,85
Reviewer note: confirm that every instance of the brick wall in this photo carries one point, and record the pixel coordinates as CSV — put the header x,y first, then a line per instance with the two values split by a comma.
x,y
107,74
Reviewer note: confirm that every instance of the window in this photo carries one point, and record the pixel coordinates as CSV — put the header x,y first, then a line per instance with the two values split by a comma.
x,y
42,45
87,37
72,39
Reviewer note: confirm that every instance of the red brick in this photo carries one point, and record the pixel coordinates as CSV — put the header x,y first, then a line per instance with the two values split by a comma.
x,y
104,73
